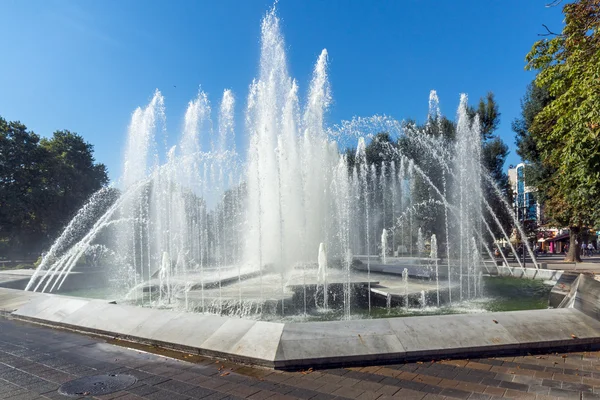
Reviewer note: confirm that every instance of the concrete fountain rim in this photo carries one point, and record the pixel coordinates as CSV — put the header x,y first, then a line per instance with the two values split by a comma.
x,y
313,344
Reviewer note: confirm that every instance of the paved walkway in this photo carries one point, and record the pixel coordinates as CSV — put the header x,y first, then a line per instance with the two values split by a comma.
x,y
556,261
35,360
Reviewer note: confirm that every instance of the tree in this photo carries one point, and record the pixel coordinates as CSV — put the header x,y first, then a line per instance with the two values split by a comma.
x,y
71,177
21,182
493,156
535,99
489,115
566,130
44,182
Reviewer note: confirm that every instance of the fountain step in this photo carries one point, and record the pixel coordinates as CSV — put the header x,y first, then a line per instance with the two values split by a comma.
x,y
416,271
194,281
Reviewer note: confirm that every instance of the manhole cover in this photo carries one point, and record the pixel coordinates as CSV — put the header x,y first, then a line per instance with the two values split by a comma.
x,y
96,385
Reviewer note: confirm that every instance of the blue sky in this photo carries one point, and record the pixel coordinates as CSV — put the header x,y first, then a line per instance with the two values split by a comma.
x,y
86,65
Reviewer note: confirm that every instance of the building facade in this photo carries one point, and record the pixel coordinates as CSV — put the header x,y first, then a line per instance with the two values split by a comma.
x,y
524,203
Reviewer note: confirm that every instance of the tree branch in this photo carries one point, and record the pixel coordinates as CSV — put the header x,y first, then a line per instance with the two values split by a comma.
x,y
553,3
548,32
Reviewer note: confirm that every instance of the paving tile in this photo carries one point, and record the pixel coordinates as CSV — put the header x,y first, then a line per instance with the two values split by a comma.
x,y
262,395
211,396
165,395
349,392
515,394
368,386
528,380
538,389
479,396
142,390
471,387
174,386
431,396
514,386
368,396
308,384
12,393
455,393
199,392
552,384
544,374
42,387
112,396
388,390
130,396
561,393
243,391
579,387
25,395
494,391
490,382
58,396
409,394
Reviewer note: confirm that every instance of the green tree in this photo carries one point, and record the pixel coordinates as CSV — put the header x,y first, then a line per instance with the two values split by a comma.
x,y
44,182
489,115
71,176
493,156
566,130
22,186
535,99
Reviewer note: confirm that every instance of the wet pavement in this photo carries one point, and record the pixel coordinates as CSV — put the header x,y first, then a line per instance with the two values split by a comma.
x,y
35,360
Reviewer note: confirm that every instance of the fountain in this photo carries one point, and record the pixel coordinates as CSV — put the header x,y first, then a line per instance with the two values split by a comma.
x,y
205,228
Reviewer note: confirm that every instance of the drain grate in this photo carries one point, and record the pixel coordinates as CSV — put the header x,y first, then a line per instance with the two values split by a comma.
x,y
96,385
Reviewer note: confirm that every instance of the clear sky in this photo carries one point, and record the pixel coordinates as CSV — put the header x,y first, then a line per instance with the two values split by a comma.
x,y
86,65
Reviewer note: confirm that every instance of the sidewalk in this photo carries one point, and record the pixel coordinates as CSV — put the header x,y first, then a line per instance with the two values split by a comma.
x,y
556,261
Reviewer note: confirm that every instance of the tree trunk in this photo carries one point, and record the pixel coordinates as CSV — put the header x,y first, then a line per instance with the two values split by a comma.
x,y
574,247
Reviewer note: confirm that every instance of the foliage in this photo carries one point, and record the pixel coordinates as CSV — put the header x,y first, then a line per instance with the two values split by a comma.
x,y
566,130
493,156
44,182
489,115
535,99
381,151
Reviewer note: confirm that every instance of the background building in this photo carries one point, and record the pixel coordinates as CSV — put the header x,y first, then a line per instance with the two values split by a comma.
x,y
524,203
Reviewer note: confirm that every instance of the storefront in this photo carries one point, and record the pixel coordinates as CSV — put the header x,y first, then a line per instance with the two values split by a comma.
x,y
558,243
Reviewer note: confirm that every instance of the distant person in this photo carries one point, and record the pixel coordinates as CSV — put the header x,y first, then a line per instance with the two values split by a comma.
x,y
583,249
591,249
566,248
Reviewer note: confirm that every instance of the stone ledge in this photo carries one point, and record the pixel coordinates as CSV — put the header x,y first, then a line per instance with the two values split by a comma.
x,y
313,344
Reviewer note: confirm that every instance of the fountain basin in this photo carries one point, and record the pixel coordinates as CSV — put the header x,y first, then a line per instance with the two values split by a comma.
x,y
300,298
314,344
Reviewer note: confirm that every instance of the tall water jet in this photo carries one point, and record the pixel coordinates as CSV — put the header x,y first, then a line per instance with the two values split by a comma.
x,y
322,273
420,243
384,246
361,159
405,280
434,256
